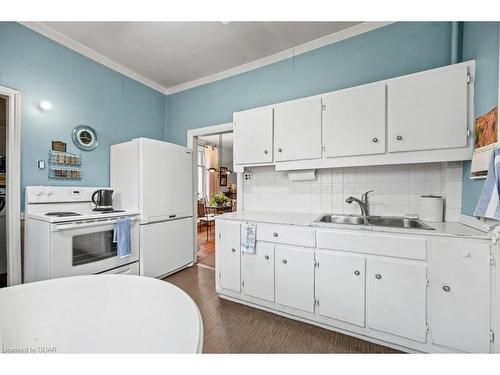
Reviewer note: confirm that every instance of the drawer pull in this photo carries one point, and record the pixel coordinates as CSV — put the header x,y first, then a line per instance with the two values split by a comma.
x,y
399,137
265,152
446,288
266,257
284,261
275,234
357,273
375,140
233,249
280,150
378,276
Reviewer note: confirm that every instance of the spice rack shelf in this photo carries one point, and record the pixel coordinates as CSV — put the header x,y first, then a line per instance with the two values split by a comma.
x,y
65,165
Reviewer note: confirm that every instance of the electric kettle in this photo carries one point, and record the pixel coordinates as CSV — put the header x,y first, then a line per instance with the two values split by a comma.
x,y
103,200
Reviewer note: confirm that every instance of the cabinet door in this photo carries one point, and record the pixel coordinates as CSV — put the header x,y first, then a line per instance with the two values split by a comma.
x,y
258,272
460,294
396,297
354,121
253,136
227,254
294,269
341,286
428,111
297,130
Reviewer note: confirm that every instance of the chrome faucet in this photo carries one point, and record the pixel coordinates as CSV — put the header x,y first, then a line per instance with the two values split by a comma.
x,y
363,203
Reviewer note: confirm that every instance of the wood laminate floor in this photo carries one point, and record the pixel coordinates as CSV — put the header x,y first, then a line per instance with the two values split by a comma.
x,y
233,328
206,252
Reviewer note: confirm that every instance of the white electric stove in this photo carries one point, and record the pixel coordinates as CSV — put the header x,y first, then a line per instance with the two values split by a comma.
x,y
64,236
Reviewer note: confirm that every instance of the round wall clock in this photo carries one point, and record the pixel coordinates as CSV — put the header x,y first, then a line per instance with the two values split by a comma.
x,y
85,138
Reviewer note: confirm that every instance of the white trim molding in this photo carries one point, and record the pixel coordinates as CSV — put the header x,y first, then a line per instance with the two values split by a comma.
x,y
92,54
13,184
271,59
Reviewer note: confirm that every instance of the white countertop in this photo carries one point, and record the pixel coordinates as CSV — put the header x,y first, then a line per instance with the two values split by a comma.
x,y
450,229
99,314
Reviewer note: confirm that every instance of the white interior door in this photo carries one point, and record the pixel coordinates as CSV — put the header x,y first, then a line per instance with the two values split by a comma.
x,y
460,294
341,286
253,136
166,246
354,121
428,111
227,254
396,297
258,272
166,180
297,130
294,277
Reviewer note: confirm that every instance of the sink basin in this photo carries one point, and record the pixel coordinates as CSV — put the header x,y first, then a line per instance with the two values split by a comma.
x,y
381,221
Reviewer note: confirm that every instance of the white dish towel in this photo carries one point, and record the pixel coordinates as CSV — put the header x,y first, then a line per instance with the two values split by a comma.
x,y
248,238
489,203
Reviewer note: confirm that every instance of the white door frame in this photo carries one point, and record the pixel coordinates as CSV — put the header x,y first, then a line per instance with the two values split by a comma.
x,y
192,142
13,185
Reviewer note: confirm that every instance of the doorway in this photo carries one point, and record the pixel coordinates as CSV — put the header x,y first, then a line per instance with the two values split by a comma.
x,y
10,187
214,184
3,222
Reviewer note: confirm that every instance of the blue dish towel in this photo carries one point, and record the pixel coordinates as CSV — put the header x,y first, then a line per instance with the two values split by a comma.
x,y
488,205
248,238
121,237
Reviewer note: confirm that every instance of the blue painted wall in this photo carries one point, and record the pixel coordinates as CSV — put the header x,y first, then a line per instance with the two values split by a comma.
x,y
480,41
394,50
81,92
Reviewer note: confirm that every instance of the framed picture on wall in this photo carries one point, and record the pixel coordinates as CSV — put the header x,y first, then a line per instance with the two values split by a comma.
x,y
223,176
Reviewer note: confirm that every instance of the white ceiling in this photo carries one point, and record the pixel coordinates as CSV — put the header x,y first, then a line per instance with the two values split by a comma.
x,y
173,53
227,140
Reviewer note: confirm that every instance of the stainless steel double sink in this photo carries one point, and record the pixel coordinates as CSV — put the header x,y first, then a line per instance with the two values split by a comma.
x,y
380,221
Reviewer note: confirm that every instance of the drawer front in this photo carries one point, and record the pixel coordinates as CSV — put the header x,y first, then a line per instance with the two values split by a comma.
x,y
377,244
286,234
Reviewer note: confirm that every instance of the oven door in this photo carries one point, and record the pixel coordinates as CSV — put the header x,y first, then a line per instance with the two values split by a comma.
x,y
87,247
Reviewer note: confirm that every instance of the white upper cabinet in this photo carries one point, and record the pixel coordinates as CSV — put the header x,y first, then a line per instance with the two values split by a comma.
x,y
297,130
253,136
354,121
428,111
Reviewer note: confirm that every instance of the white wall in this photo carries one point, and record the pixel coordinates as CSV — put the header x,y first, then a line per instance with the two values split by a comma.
x,y
397,189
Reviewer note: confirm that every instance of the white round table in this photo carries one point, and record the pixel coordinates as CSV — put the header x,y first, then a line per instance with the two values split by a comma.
x,y
99,314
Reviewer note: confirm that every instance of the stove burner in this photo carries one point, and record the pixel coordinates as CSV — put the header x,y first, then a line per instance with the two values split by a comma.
x,y
62,214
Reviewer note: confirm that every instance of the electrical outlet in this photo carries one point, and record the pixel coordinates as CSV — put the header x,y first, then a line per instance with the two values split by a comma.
x,y
247,176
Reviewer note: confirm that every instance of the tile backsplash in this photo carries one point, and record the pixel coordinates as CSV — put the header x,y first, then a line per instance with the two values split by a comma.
x,y
397,189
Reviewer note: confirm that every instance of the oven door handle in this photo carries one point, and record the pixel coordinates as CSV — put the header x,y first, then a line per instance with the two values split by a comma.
x,y
60,227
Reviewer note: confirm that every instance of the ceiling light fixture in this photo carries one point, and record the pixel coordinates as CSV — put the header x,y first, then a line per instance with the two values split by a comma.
x,y
45,105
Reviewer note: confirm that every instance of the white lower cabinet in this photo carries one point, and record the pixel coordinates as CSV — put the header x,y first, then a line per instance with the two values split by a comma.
x,y
258,272
340,286
432,294
460,294
294,267
396,297
227,254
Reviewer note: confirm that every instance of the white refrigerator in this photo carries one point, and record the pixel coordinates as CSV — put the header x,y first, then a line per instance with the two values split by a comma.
x,y
155,177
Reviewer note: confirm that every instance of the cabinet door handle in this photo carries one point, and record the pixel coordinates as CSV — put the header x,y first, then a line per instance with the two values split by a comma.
x,y
275,234
266,257
375,140
265,152
378,276
233,249
446,288
357,273
284,261
399,137
280,150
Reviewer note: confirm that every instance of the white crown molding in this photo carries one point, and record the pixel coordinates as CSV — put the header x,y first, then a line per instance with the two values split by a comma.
x,y
279,56
92,54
